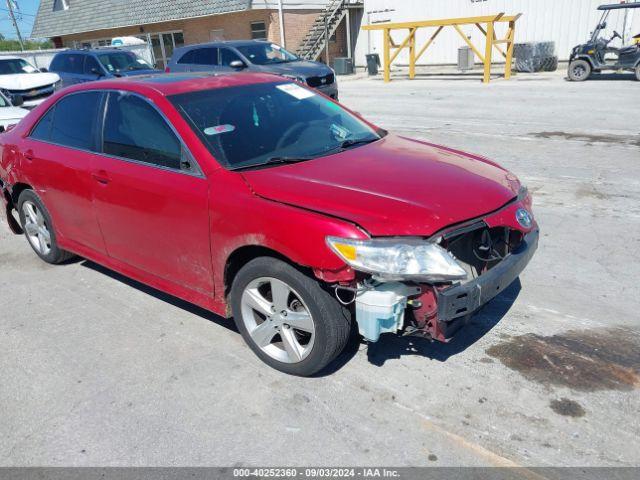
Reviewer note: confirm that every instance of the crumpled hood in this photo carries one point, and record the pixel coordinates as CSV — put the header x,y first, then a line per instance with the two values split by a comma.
x,y
26,81
394,186
301,68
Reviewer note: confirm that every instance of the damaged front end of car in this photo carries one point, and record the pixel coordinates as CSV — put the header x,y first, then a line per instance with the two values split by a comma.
x,y
430,287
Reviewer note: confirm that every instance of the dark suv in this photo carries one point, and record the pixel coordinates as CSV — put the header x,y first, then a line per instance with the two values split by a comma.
x,y
77,66
254,56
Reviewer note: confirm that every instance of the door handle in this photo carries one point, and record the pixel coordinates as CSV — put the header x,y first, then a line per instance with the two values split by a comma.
x,y
101,177
28,155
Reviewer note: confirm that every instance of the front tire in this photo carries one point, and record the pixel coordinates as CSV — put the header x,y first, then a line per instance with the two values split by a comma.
x,y
579,70
38,228
289,321
638,72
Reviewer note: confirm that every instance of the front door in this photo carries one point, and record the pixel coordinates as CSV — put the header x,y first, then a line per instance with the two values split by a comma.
x,y
152,208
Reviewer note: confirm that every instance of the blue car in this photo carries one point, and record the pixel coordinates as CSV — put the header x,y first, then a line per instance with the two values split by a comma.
x,y
78,66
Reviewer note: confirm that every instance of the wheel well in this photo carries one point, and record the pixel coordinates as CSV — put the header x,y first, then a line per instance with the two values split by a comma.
x,y
587,59
242,256
17,189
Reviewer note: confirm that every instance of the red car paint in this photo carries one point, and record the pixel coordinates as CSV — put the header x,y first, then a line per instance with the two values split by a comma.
x,y
178,232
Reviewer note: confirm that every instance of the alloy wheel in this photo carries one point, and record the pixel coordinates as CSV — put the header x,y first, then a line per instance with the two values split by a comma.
x,y
36,228
277,320
579,71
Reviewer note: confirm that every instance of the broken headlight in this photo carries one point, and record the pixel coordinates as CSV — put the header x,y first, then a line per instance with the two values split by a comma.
x,y
398,259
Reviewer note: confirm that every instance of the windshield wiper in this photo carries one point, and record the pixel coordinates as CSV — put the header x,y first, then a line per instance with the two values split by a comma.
x,y
281,159
351,143
357,141
274,161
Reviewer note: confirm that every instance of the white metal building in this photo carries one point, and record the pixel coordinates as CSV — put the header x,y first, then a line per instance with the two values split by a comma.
x,y
567,22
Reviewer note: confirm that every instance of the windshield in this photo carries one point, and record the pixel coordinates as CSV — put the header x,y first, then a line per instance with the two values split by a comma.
x,y
253,125
266,54
123,62
16,65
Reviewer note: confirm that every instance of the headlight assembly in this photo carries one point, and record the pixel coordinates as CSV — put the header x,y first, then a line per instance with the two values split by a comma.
x,y
408,259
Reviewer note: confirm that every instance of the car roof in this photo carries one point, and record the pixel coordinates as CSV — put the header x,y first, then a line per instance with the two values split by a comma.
x,y
176,83
85,51
227,43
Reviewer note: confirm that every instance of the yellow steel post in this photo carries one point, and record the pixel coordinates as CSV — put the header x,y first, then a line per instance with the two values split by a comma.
x,y
509,57
471,45
412,53
429,42
400,47
387,55
487,53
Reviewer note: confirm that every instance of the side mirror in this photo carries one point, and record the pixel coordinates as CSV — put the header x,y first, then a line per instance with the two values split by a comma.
x,y
237,64
17,100
43,69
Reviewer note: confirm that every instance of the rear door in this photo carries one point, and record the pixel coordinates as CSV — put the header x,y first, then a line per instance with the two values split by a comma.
x,y
150,197
57,159
70,68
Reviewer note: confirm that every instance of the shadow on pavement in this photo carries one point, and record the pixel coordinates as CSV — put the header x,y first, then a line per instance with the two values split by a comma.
x,y
389,346
165,297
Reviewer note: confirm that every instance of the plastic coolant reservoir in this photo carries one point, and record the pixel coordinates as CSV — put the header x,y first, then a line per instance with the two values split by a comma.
x,y
381,309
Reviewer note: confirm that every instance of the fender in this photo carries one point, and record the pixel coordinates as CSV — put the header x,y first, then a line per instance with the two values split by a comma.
x,y
585,57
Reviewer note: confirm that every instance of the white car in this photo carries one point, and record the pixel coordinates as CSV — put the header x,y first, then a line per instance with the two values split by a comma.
x,y
9,115
19,77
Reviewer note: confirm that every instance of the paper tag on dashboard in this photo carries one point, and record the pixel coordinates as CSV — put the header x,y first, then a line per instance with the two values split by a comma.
x,y
296,91
218,129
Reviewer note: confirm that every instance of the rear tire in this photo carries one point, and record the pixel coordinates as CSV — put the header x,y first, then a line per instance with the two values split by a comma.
x,y
638,72
289,321
579,70
38,228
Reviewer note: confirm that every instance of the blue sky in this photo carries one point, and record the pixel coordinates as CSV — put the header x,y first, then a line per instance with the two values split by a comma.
x,y
28,9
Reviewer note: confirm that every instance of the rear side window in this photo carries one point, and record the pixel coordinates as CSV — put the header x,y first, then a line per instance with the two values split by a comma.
x,y
56,63
201,56
71,122
134,129
42,131
69,63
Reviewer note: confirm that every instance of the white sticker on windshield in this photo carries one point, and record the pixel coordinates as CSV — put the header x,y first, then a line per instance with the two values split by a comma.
x,y
275,47
296,91
339,132
218,129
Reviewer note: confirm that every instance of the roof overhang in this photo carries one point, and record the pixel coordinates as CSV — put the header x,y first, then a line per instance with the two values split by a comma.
x,y
618,6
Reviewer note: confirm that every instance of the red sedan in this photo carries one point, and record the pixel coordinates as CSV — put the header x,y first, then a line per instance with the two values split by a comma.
x,y
264,201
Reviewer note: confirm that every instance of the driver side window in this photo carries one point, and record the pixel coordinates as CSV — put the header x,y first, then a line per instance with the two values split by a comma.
x,y
135,130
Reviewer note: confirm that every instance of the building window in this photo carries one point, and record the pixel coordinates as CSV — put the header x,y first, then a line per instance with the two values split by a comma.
x,y
258,31
60,5
217,35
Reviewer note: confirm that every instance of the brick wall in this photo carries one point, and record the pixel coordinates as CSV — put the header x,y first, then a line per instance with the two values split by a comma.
x,y
236,26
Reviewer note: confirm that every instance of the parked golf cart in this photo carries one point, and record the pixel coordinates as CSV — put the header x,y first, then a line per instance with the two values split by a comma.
x,y
596,55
